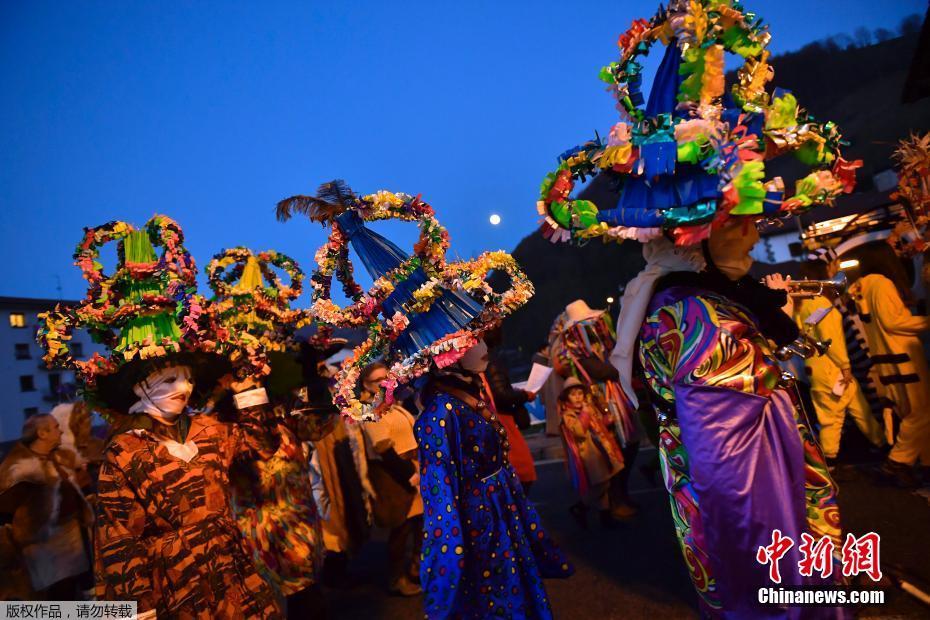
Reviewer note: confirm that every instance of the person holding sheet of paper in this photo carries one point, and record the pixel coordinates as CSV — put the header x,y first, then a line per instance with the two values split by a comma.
x,y
510,404
834,389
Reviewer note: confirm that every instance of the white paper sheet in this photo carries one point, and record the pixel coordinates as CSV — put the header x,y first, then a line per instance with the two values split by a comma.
x,y
538,376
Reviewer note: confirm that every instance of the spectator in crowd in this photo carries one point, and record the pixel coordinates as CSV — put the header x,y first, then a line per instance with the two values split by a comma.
x,y
44,553
510,405
393,469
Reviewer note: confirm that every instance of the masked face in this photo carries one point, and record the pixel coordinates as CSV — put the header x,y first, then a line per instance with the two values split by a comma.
x,y
730,245
476,358
164,393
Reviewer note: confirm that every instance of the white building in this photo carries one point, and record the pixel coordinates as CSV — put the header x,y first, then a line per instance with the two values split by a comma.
x,y
29,387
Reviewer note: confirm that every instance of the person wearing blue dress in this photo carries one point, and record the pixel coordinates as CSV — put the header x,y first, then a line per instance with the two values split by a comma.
x,y
485,552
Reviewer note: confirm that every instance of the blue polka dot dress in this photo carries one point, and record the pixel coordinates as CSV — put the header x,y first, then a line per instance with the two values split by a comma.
x,y
485,552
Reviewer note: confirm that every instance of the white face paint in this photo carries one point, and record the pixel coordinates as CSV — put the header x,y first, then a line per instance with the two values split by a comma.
x,y
476,358
164,393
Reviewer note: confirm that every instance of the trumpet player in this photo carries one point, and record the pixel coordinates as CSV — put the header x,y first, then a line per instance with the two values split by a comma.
x,y
834,390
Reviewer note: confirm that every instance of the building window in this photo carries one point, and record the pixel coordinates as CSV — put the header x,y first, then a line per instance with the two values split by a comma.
x,y
54,383
28,412
17,319
26,384
21,351
77,349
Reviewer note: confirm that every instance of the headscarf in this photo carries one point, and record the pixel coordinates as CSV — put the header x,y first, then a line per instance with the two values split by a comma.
x,y
662,257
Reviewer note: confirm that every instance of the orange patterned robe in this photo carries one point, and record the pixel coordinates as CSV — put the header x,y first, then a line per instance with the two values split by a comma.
x,y
165,534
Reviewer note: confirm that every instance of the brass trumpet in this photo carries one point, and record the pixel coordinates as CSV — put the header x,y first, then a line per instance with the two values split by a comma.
x,y
804,347
815,288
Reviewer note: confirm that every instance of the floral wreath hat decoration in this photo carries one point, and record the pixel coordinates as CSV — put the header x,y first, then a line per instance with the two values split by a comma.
x,y
249,296
694,155
910,236
421,310
147,313
251,299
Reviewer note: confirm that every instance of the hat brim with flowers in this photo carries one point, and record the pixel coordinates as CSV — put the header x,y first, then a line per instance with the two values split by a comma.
x,y
147,313
421,312
694,155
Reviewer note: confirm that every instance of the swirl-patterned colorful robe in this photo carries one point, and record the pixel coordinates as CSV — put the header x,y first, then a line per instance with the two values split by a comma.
x,y
485,552
738,457
274,506
165,533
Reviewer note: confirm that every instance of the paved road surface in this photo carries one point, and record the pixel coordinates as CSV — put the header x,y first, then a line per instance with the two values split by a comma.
x,y
637,571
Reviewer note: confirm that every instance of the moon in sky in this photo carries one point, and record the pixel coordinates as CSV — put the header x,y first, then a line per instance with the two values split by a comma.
x,y
495,219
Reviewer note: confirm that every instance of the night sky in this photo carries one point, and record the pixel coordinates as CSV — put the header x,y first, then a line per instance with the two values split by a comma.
x,y
211,112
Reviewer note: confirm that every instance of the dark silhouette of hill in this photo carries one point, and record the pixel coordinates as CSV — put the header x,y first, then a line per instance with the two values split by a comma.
x,y
858,87
563,273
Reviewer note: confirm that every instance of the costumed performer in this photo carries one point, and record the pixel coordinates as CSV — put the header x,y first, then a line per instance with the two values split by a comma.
x,y
857,347
737,452
165,534
834,389
581,341
273,498
592,454
485,552
899,362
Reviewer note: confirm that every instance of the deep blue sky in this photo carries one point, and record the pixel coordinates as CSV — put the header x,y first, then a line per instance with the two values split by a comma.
x,y
211,112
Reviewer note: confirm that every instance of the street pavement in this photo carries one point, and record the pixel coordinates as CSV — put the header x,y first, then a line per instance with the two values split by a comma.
x,y
637,571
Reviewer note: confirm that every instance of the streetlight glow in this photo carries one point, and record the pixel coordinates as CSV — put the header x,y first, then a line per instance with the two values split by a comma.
x,y
610,300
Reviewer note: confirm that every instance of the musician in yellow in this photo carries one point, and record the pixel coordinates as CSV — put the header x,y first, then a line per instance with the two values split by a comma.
x,y
834,390
898,358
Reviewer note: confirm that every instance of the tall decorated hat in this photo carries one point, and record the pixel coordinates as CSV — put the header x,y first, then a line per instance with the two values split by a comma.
x,y
695,153
249,297
421,310
146,312
252,300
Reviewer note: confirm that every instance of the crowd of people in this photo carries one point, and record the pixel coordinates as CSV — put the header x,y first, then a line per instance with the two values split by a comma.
x,y
242,470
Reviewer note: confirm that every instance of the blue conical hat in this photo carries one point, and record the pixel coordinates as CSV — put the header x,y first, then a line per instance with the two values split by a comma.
x,y
451,312
421,311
